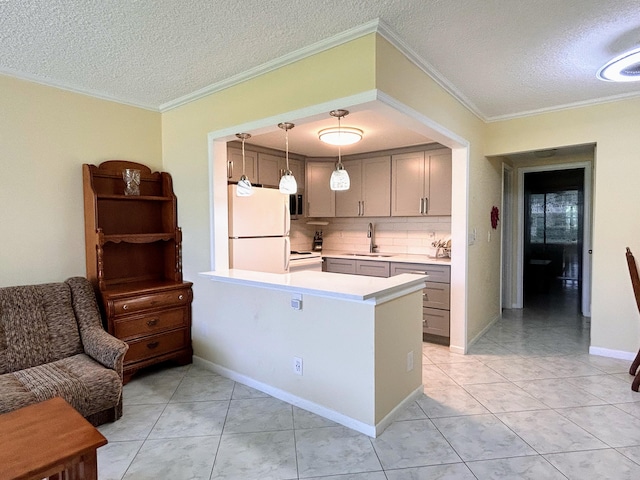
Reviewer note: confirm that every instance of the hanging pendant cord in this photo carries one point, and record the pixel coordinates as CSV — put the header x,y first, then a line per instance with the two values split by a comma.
x,y
286,131
243,157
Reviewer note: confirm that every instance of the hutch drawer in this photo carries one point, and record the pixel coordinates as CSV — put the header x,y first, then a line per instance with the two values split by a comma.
x,y
156,345
151,323
132,304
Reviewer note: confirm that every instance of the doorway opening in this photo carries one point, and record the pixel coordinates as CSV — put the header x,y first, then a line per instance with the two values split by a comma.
x,y
553,240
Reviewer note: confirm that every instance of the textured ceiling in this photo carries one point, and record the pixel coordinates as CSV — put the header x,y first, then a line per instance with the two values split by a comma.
x,y
502,58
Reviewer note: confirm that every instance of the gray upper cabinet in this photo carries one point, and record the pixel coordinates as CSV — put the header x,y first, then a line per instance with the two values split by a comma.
x,y
421,183
321,200
370,192
234,164
272,167
269,171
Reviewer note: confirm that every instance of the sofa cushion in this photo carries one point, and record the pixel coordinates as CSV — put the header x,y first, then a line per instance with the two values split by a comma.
x,y
37,325
81,381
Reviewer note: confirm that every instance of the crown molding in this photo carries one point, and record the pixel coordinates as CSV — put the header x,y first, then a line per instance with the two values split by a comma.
x,y
388,34
566,106
73,89
300,54
374,26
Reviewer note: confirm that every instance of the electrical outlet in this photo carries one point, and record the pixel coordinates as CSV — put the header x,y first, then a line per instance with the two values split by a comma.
x,y
297,365
296,301
410,361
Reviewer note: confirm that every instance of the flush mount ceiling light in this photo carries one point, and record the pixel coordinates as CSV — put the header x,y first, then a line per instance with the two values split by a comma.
x,y
340,135
624,68
244,185
339,177
288,182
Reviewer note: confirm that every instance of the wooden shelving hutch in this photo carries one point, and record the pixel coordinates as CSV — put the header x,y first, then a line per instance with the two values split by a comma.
x,y
134,259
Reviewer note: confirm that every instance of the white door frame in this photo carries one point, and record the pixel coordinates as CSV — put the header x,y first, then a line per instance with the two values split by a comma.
x,y
506,247
586,233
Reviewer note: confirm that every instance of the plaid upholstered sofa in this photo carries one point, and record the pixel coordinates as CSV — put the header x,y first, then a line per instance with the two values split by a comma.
x,y
52,343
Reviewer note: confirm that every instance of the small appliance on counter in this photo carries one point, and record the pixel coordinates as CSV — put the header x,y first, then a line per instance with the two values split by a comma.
x,y
317,241
305,261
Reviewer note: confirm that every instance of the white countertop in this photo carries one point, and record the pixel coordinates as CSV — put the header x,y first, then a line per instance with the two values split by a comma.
x,y
335,285
389,257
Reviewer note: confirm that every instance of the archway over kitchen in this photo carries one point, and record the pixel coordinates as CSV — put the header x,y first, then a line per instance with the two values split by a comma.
x,y
395,112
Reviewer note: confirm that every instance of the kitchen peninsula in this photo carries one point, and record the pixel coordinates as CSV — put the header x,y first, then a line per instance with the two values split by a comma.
x,y
345,347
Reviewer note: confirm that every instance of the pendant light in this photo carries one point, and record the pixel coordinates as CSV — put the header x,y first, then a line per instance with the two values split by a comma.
x,y
339,177
288,184
244,185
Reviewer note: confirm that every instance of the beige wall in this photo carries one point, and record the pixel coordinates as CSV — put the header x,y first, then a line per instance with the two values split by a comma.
x,y
614,128
403,80
339,72
46,135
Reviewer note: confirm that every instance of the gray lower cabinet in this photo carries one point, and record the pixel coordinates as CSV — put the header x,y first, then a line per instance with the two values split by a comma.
x,y
370,268
436,294
339,265
435,297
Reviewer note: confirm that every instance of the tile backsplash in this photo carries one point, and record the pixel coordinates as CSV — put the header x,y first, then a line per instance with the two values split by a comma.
x,y
412,235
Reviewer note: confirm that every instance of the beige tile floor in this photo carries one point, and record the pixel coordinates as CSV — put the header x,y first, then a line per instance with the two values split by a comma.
x,y
527,402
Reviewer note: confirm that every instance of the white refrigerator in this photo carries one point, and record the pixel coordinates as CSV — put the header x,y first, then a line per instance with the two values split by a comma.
x,y
259,230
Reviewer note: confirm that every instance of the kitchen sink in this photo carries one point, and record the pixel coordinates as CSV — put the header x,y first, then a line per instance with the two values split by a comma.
x,y
383,255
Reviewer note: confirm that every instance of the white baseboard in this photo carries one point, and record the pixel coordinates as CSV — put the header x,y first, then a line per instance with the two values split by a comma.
x,y
388,420
369,430
483,331
456,349
606,352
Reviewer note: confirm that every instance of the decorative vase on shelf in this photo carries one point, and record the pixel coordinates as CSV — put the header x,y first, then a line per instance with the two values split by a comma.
x,y
131,178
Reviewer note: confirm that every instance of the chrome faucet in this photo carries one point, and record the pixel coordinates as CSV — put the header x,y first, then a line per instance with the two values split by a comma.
x,y
372,247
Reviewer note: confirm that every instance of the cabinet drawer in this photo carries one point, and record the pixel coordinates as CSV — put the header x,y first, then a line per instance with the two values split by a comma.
x,y
435,322
340,265
372,268
436,295
437,273
151,323
156,345
154,300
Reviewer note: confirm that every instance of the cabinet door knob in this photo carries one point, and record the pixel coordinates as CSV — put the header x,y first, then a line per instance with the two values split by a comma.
x,y
153,322
152,345
180,297
125,307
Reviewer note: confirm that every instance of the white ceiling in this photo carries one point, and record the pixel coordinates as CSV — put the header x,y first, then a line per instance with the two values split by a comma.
x,y
501,58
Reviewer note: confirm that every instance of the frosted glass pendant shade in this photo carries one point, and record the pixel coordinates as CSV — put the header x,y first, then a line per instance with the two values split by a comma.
x,y
339,179
288,184
244,187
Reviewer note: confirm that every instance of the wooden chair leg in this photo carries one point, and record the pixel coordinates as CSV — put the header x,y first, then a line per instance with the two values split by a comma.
x,y
636,383
634,366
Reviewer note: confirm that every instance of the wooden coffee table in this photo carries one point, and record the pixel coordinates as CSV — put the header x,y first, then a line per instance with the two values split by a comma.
x,y
48,440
